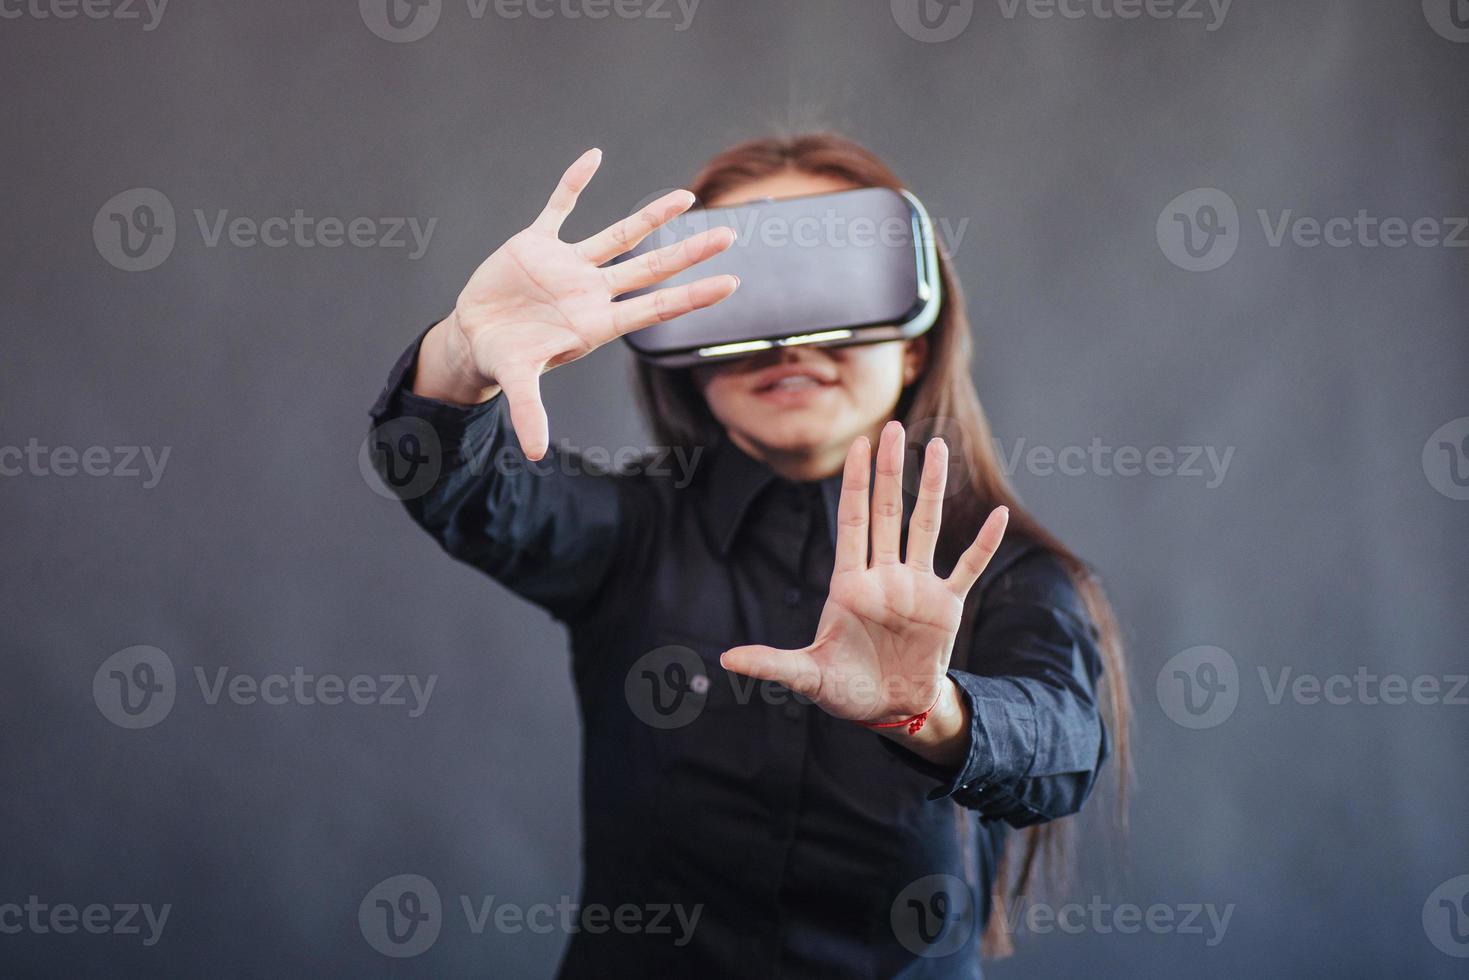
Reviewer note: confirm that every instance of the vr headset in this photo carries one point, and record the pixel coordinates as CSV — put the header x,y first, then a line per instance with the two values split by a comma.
x,y
849,267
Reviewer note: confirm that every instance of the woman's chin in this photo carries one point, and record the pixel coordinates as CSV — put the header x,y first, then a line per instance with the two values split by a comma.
x,y
795,440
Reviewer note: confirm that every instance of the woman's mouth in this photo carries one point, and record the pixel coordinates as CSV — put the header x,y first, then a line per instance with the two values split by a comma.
x,y
790,389
793,383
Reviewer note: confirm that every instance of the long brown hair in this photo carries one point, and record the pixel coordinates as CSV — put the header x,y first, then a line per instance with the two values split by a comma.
x,y
943,394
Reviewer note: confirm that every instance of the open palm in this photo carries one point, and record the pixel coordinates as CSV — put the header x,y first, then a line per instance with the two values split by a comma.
x,y
887,631
539,302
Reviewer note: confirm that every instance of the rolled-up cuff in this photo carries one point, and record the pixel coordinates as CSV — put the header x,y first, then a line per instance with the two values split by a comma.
x,y
455,425
1001,746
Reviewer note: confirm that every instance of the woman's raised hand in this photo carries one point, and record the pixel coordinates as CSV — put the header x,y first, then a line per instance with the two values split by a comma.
x,y
883,644
539,302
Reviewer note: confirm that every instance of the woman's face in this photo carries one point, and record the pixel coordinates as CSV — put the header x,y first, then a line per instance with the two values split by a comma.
x,y
798,409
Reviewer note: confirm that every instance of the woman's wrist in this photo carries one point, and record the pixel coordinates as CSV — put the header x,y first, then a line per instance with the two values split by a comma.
x,y
944,736
446,370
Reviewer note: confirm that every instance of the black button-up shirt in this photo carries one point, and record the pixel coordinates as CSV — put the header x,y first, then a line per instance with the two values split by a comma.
x,y
807,846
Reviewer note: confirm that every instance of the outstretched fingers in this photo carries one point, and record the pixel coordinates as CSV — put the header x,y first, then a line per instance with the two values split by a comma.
x,y
977,556
659,264
626,234
568,189
671,301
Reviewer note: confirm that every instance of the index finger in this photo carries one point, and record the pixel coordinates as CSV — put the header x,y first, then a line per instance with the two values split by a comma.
x,y
563,198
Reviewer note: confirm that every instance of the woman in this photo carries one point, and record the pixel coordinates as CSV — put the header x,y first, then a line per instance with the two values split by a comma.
x,y
812,704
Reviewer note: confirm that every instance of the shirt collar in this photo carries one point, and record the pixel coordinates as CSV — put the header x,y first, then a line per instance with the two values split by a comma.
x,y
735,479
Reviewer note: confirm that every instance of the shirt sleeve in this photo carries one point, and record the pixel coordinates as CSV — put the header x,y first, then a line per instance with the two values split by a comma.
x,y
551,530
1037,742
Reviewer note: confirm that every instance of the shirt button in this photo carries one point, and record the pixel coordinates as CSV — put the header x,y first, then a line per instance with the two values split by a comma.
x,y
793,596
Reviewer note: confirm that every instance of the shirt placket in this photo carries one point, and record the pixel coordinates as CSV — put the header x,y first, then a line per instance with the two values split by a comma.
x,y
794,528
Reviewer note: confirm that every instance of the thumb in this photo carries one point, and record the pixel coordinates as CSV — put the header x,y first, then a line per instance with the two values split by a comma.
x,y
792,668
522,386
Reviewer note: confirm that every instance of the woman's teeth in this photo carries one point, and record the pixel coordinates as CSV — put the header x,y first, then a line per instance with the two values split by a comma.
x,y
795,382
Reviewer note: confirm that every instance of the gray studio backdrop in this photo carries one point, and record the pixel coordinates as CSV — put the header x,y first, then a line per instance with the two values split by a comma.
x,y
1216,259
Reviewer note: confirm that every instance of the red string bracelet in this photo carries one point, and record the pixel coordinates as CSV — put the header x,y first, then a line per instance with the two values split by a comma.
x,y
914,723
